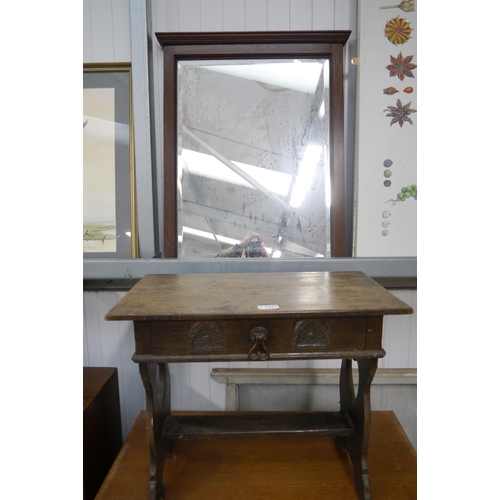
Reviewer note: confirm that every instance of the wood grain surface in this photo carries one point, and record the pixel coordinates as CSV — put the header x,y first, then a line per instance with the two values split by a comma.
x,y
235,295
302,468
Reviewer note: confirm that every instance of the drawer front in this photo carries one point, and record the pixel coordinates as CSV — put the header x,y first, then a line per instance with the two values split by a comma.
x,y
258,339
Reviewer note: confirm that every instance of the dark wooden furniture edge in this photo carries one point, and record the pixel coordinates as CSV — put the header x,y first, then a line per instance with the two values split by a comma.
x,y
193,358
102,431
252,37
254,45
264,424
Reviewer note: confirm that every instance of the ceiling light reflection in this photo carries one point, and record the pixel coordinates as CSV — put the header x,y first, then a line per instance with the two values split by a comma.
x,y
207,166
307,170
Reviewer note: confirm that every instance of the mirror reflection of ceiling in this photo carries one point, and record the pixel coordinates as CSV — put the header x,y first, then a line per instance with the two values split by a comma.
x,y
253,156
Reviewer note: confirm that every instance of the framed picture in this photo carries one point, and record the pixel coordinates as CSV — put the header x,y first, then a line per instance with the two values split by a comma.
x,y
109,210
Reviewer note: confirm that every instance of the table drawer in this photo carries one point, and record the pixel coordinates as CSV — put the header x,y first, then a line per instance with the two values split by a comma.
x,y
258,339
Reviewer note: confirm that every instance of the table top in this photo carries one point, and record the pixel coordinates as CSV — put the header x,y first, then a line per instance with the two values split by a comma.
x,y
161,297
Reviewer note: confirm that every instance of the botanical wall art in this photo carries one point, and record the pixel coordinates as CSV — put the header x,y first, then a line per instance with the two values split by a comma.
x,y
386,164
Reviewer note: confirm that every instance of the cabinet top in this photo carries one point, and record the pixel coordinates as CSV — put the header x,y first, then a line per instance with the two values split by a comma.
x,y
160,297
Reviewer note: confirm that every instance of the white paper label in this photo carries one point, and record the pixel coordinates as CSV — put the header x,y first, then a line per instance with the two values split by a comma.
x,y
268,307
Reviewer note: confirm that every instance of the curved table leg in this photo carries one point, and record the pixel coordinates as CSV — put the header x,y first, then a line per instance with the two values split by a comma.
x,y
357,407
156,380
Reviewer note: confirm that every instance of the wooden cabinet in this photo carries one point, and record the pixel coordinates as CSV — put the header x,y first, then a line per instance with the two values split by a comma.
x,y
102,428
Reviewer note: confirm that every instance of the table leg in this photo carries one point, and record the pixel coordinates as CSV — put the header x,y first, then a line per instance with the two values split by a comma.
x,y
357,407
156,380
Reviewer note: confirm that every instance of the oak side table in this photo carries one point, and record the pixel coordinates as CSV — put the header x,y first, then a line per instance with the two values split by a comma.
x,y
258,317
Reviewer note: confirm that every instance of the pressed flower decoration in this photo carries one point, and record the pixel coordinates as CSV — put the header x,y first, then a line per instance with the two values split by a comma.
x,y
406,192
392,90
400,113
401,67
398,31
405,5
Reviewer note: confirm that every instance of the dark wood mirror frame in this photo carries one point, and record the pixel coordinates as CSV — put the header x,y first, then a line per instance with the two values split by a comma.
x,y
255,45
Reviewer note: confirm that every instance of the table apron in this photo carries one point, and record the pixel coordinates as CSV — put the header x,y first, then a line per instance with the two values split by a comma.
x,y
259,339
148,358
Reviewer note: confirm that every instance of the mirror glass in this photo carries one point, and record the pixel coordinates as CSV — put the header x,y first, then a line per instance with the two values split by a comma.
x,y
253,158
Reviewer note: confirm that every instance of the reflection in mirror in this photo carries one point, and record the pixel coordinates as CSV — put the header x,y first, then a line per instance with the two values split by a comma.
x,y
253,160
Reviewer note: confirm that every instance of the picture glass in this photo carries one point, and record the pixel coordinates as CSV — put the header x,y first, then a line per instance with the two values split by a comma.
x,y
99,208
108,166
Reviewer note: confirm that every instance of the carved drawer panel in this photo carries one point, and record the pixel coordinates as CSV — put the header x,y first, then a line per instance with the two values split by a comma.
x,y
258,339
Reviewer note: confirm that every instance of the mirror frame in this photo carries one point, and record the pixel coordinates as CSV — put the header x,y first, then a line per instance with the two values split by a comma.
x,y
255,45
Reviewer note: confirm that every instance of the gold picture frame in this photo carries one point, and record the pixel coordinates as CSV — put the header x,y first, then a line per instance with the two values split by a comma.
x,y
109,200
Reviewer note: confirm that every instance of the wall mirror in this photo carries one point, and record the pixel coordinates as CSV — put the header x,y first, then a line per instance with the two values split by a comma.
x,y
254,144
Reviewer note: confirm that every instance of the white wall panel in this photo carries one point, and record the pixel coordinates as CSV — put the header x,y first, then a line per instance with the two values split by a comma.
x,y
92,339
190,15
102,35
106,31
278,12
323,17
233,15
256,15
165,16
400,335
301,15
210,13
121,30
341,16
87,32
